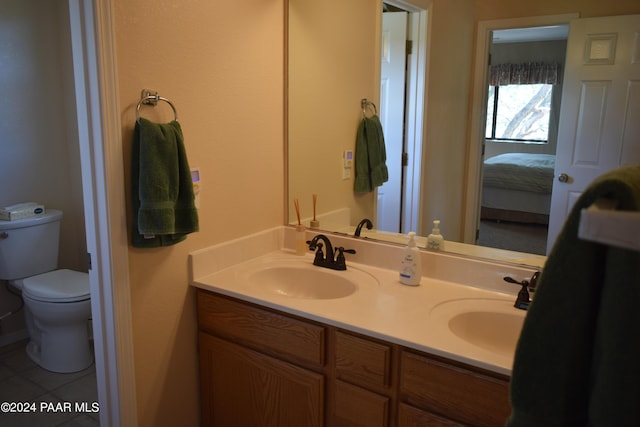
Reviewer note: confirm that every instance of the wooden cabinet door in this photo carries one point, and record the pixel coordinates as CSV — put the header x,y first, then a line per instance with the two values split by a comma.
x,y
244,388
357,407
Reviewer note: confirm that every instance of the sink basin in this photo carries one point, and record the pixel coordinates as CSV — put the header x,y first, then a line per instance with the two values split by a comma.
x,y
491,324
496,332
301,280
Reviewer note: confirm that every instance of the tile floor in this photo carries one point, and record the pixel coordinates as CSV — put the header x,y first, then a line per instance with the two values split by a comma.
x,y
22,381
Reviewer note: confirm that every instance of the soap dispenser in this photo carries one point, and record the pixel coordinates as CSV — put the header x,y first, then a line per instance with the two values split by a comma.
x,y
411,267
435,240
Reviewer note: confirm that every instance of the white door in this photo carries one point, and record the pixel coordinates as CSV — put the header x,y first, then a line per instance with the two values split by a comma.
x,y
600,113
392,95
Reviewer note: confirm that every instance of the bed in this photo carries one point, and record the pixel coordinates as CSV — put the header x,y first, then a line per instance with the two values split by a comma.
x,y
517,187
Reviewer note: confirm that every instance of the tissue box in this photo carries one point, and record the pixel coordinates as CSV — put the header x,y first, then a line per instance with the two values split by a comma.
x,y
21,210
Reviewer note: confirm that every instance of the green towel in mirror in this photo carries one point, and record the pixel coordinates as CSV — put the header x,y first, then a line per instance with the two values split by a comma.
x,y
370,156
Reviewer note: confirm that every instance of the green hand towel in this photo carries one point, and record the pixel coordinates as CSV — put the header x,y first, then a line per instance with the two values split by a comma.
x,y
370,156
576,361
162,191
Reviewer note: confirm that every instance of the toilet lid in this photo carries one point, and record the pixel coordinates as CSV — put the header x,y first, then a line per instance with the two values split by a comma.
x,y
57,286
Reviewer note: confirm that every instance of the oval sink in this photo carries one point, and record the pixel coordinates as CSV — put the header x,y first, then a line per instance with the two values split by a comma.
x,y
309,282
491,324
496,332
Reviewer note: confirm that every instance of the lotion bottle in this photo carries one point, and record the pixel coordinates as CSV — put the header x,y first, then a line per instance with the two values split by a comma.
x,y
435,240
411,267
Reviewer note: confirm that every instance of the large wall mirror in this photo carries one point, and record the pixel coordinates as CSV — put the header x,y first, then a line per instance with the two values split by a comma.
x,y
338,55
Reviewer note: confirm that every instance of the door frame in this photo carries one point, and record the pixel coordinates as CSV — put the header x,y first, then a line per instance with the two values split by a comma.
x,y
101,158
479,109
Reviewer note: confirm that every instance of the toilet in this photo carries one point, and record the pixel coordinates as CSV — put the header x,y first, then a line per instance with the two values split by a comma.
x,y
57,302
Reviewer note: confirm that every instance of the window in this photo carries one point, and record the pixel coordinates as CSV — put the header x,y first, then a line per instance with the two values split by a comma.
x,y
519,113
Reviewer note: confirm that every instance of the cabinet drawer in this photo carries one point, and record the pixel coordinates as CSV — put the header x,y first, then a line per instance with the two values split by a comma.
x,y
458,393
290,338
408,416
362,361
355,406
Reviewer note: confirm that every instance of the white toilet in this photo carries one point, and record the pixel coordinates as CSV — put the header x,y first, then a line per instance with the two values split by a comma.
x,y
57,302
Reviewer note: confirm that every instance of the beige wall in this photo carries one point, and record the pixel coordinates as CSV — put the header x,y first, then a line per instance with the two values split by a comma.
x,y
331,68
450,49
221,64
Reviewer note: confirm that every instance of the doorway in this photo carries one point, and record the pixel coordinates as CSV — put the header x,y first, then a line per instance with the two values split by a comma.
x,y
398,201
40,162
520,138
479,114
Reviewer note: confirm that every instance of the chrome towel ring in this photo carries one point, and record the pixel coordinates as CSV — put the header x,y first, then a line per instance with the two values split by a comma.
x,y
151,98
364,103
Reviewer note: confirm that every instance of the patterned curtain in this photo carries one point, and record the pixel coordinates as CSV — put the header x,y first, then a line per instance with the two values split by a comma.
x,y
523,74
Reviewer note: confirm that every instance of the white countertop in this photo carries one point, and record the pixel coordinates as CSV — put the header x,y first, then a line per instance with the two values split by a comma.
x,y
382,307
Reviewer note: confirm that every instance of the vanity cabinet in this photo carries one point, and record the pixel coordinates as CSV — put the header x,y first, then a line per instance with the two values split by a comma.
x,y
259,366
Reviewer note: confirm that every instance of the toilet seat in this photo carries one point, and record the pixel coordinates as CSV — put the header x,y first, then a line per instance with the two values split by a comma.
x,y
58,286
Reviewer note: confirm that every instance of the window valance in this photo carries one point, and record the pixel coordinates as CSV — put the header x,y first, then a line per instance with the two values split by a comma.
x,y
525,73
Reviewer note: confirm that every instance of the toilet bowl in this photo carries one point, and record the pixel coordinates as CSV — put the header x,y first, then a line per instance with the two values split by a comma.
x,y
57,309
57,302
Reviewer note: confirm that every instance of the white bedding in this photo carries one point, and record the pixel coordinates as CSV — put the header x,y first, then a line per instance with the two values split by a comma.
x,y
520,171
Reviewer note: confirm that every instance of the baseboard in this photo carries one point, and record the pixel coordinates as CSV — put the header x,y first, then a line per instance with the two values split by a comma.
x,y
13,337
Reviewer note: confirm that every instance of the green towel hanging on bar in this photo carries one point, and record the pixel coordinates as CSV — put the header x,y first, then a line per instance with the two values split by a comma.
x,y
370,156
162,191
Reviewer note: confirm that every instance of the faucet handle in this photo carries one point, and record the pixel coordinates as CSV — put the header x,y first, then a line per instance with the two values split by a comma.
x,y
340,260
523,299
534,281
349,251
511,280
319,252
531,283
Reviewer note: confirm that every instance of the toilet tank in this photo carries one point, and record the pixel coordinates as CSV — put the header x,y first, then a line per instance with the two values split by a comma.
x,y
29,246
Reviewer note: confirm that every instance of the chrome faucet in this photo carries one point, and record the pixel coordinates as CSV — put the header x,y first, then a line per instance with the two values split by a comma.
x,y
329,260
528,286
367,222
